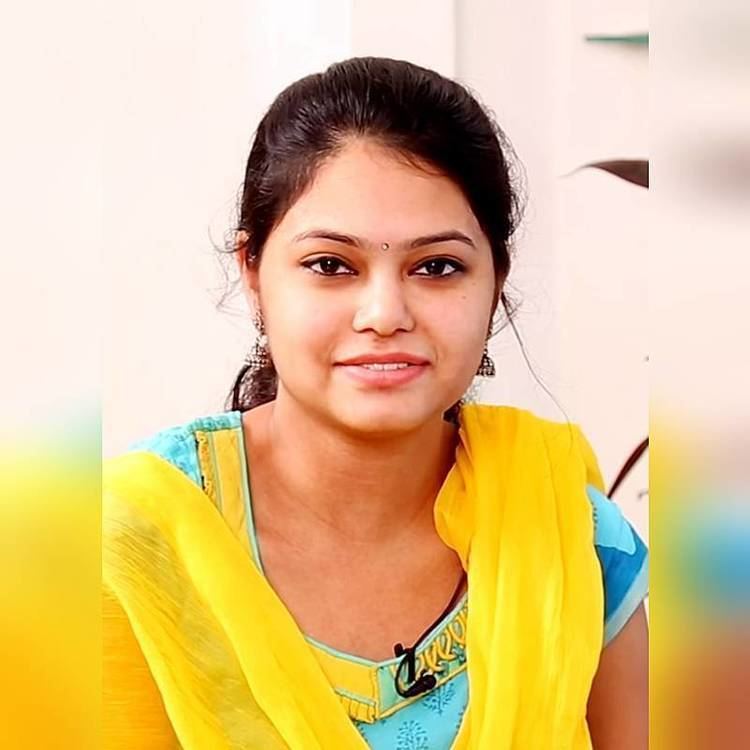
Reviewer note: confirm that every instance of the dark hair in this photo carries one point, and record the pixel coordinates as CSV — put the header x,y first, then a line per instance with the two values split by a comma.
x,y
421,116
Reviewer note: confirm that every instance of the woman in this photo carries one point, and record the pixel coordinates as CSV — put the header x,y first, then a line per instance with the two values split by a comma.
x,y
351,556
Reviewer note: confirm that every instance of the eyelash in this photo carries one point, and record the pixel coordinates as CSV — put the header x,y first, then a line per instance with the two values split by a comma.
x,y
458,267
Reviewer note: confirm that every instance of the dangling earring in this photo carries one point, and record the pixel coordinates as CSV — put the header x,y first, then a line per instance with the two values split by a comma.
x,y
259,357
486,366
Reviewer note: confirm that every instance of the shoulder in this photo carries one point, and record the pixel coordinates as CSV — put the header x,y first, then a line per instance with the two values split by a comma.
x,y
481,420
178,444
561,446
623,558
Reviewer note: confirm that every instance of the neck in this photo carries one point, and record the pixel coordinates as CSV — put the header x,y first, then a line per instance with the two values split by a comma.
x,y
356,488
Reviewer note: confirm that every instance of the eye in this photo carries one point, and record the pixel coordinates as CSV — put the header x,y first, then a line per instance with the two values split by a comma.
x,y
437,267
328,266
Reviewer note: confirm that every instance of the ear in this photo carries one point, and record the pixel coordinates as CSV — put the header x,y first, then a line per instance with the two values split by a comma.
x,y
248,270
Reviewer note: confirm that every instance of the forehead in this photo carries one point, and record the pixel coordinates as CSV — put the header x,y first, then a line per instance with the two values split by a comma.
x,y
368,190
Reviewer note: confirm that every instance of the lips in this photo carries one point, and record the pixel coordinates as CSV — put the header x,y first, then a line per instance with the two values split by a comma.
x,y
383,366
390,358
384,370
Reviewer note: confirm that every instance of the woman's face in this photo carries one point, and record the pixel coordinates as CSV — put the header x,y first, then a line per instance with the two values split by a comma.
x,y
341,311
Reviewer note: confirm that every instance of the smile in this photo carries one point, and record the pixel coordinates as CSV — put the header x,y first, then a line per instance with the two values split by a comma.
x,y
386,365
383,374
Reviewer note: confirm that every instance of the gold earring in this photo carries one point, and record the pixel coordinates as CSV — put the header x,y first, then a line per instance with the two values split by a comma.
x,y
486,366
259,357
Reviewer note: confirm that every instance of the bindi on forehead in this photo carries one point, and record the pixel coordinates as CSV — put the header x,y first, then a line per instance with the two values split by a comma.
x,y
450,235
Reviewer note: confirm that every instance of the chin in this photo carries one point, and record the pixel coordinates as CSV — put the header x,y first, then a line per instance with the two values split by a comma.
x,y
378,417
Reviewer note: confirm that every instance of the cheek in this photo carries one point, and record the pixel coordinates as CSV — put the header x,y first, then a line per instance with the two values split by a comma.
x,y
465,317
457,329
462,334
302,325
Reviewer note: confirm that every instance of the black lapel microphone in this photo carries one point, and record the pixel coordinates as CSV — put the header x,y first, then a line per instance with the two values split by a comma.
x,y
426,680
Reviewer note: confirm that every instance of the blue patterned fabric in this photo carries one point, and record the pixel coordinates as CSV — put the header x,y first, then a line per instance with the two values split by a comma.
x,y
624,560
432,721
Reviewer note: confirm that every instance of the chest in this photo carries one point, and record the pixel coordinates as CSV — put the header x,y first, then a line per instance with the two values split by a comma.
x,y
361,605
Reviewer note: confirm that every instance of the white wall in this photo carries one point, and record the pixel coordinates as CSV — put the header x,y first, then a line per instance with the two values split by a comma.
x,y
581,263
50,226
191,88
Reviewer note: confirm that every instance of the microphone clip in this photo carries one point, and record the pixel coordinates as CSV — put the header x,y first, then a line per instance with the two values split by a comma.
x,y
417,685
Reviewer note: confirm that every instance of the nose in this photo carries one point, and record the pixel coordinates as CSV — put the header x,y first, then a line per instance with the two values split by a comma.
x,y
383,308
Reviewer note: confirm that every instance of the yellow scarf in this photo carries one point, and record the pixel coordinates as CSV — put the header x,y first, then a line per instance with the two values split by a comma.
x,y
513,506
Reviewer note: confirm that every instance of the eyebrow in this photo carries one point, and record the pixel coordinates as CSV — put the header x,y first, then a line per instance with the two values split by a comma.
x,y
450,235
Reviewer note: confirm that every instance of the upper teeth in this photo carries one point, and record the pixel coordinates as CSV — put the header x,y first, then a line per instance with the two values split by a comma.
x,y
385,365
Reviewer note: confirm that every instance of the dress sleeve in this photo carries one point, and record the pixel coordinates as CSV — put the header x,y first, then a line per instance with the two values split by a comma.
x,y
624,561
133,714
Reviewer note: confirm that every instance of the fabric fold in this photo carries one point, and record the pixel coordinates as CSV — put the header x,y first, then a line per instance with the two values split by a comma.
x,y
235,671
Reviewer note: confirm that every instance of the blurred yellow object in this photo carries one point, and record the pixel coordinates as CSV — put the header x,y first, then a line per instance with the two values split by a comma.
x,y
700,618
49,579
199,649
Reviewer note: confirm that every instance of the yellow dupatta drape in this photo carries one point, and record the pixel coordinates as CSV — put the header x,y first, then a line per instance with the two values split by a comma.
x,y
231,667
